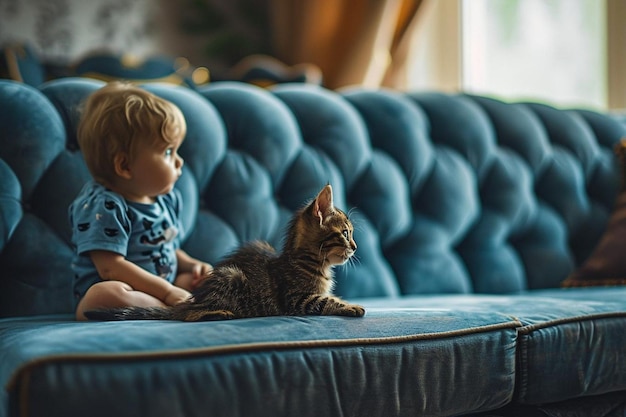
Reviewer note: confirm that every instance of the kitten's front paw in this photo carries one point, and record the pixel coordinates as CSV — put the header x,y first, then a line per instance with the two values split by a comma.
x,y
354,310
336,307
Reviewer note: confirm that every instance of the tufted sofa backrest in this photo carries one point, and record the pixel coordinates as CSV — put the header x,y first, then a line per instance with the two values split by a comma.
x,y
449,193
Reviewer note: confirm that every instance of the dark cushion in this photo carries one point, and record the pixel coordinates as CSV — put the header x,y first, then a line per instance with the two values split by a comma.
x,y
607,263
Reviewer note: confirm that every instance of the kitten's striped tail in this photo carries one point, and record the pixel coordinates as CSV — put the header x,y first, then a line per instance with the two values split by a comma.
x,y
131,313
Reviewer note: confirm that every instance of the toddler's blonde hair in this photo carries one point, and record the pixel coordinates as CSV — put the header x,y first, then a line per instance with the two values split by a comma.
x,y
117,118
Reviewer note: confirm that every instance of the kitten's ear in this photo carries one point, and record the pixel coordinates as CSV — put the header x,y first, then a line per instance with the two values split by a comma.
x,y
323,204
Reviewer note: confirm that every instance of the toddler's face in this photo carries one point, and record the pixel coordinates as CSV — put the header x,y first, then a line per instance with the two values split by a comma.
x,y
156,167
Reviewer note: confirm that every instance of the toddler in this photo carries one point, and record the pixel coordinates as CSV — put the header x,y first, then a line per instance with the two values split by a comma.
x,y
126,226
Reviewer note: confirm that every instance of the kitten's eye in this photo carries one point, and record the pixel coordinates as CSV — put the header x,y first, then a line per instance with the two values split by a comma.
x,y
169,152
346,234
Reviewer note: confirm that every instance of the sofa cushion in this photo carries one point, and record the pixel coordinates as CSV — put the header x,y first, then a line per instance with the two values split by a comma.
x,y
395,361
571,342
578,341
484,350
607,264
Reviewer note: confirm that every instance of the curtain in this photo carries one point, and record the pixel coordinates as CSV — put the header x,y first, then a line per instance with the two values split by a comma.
x,y
353,42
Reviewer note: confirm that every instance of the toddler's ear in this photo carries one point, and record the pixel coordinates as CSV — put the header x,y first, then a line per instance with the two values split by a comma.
x,y
121,165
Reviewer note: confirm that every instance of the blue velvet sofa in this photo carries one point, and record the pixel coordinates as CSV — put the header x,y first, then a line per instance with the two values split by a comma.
x,y
469,214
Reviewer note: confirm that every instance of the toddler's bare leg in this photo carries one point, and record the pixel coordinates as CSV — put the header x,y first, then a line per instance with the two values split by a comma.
x,y
113,294
185,281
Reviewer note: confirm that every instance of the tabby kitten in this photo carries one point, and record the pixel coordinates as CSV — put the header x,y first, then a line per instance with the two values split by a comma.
x,y
255,281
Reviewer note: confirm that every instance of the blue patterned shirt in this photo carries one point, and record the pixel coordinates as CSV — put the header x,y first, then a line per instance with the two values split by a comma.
x,y
145,234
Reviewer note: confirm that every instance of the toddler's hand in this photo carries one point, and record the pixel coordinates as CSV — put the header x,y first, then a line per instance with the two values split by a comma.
x,y
199,272
176,295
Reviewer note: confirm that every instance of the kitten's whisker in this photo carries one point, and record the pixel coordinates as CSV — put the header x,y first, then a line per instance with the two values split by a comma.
x,y
354,261
357,225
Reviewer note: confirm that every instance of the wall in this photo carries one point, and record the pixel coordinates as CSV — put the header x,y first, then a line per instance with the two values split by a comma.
x,y
212,33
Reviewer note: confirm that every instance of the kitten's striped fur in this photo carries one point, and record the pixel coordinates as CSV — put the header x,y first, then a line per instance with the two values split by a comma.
x,y
256,281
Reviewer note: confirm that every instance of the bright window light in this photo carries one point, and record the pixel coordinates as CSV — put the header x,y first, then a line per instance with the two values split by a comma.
x,y
542,50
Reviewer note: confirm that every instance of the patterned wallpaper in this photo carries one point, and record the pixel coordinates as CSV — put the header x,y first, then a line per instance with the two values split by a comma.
x,y
63,30
213,33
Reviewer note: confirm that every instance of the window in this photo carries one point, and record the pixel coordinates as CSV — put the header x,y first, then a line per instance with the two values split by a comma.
x,y
553,50
567,53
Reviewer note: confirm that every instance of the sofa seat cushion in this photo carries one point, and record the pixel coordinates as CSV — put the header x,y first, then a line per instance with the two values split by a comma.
x,y
586,354
428,361
469,342
571,341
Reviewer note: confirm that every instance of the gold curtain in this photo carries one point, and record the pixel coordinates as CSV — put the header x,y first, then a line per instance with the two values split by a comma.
x,y
354,42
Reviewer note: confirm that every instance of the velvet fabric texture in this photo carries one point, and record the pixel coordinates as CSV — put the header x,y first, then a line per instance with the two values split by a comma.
x,y
469,213
449,193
